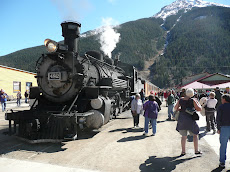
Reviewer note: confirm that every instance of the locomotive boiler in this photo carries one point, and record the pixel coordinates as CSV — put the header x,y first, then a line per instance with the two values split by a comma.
x,y
74,92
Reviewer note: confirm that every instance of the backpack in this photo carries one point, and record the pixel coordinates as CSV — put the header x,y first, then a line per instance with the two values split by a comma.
x,y
152,110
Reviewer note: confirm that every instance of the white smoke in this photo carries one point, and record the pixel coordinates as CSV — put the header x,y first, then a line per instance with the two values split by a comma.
x,y
108,36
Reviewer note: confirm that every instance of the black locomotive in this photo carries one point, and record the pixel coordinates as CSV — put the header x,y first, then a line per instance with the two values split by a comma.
x,y
74,92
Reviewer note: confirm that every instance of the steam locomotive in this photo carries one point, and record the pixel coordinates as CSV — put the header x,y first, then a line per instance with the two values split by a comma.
x,y
74,92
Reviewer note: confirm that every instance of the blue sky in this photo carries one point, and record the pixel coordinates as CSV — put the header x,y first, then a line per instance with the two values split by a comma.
x,y
27,23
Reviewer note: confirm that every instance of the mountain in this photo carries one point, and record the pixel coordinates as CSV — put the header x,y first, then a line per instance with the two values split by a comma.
x,y
185,5
198,42
184,38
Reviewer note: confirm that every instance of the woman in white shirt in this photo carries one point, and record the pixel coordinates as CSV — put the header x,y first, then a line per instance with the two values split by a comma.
x,y
136,109
210,110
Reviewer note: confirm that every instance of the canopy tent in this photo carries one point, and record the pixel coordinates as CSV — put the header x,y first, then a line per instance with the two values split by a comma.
x,y
196,85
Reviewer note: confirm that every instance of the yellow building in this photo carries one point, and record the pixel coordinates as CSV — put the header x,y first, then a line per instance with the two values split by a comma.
x,y
13,80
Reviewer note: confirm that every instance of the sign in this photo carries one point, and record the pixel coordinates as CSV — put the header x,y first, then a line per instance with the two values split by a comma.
x,y
54,76
16,86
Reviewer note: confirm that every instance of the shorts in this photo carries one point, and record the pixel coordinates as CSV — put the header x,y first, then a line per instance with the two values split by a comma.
x,y
185,132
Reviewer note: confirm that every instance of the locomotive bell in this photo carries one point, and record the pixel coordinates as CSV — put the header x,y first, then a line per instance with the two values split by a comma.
x,y
96,103
71,33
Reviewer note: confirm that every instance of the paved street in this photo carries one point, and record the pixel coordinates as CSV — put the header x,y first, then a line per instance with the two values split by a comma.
x,y
117,147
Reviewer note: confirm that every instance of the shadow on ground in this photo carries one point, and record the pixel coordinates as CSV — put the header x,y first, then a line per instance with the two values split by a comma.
x,y
127,130
166,164
218,169
18,145
14,143
160,121
132,138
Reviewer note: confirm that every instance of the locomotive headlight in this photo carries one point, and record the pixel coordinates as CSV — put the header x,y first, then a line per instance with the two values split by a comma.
x,y
51,45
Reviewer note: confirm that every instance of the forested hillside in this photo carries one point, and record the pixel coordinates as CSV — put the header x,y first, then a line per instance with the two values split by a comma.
x,y
199,42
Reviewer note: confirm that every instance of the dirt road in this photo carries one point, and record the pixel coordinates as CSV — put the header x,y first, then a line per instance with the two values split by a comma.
x,y
116,148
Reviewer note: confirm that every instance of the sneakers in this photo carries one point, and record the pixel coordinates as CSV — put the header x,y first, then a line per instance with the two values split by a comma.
x,y
222,165
153,134
145,134
198,153
214,131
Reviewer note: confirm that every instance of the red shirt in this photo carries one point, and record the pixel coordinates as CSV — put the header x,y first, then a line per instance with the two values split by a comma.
x,y
165,95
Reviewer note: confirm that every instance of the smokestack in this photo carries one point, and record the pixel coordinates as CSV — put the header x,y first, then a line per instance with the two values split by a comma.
x,y
71,33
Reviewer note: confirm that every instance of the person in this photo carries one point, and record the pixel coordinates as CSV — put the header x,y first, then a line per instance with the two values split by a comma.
x,y
26,96
175,95
195,94
3,100
156,99
210,110
223,126
171,101
166,96
202,95
218,97
136,109
19,96
185,122
151,111
162,95
227,91
182,93
142,94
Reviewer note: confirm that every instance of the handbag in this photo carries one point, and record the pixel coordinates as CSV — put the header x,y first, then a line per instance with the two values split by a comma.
x,y
134,113
193,113
203,103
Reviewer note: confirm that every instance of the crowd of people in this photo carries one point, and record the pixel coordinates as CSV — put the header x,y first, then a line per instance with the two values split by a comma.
x,y
213,104
4,98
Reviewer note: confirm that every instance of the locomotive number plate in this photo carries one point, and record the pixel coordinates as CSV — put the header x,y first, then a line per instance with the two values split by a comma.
x,y
54,76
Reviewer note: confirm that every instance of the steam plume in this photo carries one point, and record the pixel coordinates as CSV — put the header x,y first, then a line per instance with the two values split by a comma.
x,y
108,37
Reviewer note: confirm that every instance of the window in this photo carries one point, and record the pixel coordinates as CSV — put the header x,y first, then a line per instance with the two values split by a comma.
x,y
28,85
16,86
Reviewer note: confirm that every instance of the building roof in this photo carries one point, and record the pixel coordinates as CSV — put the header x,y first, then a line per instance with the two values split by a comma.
x,y
208,83
18,70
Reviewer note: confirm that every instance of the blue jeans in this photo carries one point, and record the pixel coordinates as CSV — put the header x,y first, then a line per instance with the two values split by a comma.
x,y
154,125
224,136
3,106
170,110
18,102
